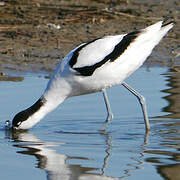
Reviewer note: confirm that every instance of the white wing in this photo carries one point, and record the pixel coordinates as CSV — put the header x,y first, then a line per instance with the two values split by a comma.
x,y
137,45
89,56
95,50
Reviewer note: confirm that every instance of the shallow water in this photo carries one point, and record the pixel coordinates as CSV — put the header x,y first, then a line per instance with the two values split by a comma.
x,y
68,143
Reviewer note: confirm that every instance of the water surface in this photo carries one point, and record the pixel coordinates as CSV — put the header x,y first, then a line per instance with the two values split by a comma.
x,y
68,143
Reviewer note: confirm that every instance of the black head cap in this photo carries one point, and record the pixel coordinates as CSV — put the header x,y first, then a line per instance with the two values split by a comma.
x,y
24,115
19,118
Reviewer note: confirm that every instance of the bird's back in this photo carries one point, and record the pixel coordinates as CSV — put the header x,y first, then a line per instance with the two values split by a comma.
x,y
107,61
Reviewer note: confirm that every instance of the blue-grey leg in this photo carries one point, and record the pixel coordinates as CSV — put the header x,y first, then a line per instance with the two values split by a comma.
x,y
142,102
108,107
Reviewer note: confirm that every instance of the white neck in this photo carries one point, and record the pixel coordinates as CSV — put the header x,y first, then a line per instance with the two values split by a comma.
x,y
56,92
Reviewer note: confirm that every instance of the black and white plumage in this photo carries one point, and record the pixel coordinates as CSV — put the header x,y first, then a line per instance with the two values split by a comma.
x,y
93,67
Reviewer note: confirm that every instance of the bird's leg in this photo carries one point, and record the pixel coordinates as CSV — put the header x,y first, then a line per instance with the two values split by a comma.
x,y
142,102
108,107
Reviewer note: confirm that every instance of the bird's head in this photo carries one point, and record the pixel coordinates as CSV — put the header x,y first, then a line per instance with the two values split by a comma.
x,y
30,116
21,120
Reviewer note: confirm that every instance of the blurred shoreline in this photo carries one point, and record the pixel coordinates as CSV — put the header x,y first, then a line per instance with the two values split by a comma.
x,y
36,35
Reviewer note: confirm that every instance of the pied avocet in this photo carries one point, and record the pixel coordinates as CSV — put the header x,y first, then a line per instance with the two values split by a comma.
x,y
95,66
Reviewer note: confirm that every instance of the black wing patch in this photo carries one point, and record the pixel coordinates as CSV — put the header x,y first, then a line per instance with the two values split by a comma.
x,y
75,55
117,51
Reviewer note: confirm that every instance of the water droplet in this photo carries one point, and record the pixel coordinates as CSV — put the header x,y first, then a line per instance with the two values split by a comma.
x,y
7,124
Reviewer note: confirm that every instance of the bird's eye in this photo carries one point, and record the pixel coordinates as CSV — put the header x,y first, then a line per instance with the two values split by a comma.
x,y
19,123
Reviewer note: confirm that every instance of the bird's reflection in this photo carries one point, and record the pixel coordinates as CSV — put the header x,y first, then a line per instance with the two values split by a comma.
x,y
55,164
48,159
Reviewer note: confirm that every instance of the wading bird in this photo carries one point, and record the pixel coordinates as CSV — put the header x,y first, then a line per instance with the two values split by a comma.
x,y
93,67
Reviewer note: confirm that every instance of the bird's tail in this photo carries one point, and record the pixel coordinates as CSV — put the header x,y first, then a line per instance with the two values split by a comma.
x,y
155,32
161,28
166,27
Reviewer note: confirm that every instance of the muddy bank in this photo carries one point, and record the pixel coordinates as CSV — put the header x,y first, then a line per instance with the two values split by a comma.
x,y
35,35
